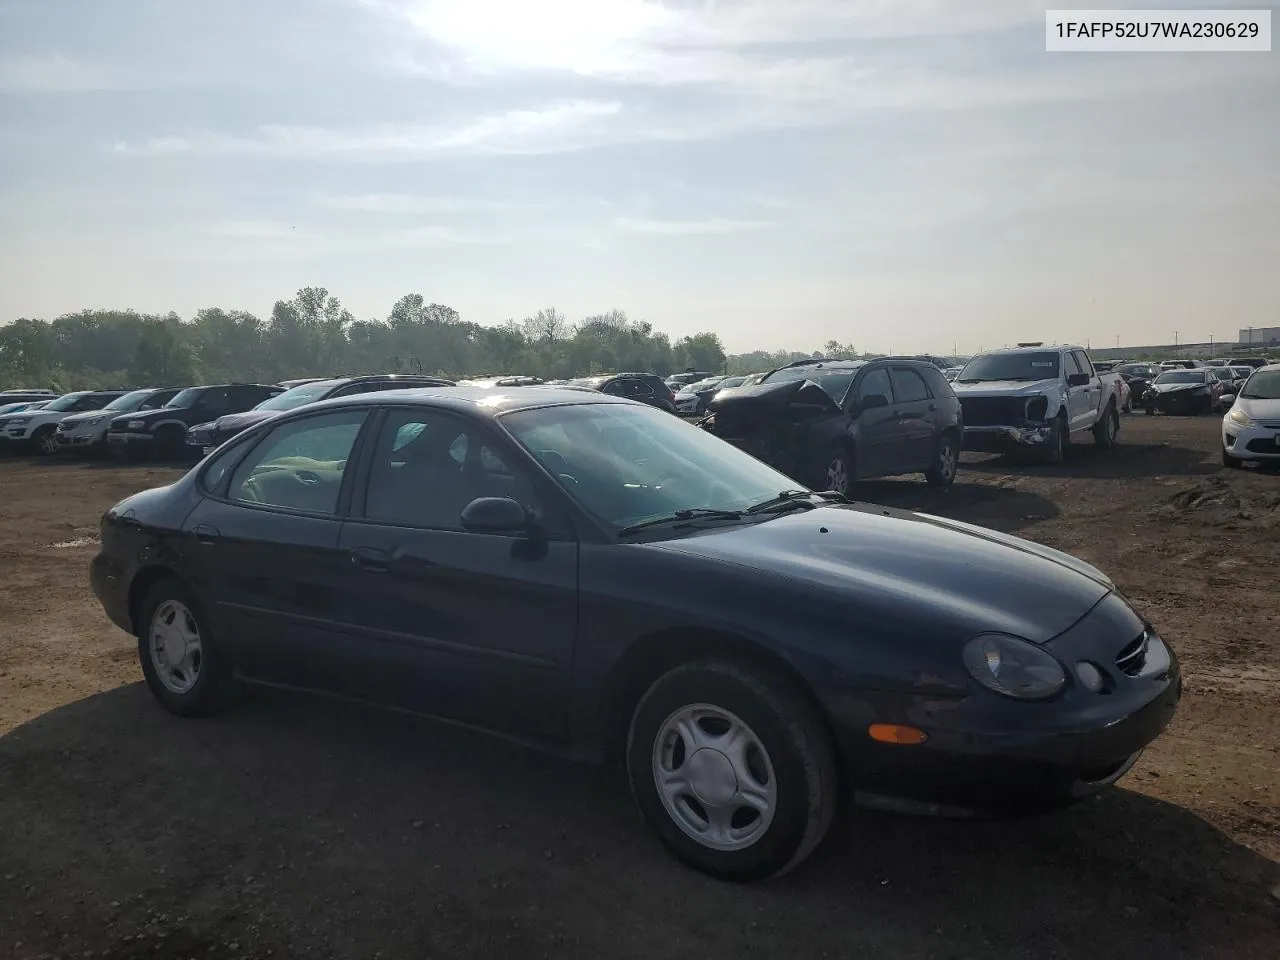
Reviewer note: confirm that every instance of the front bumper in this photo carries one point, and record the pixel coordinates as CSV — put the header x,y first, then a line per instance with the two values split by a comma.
x,y
1179,402
997,439
81,438
1254,442
108,584
989,753
120,442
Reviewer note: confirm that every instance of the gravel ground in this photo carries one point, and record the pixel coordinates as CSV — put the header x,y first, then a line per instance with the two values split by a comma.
x,y
305,827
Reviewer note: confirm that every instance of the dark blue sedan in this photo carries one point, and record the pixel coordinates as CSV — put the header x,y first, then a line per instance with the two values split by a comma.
x,y
594,576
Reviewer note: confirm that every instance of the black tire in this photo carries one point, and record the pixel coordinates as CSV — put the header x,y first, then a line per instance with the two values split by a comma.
x,y
946,462
44,441
837,463
215,685
1105,430
791,735
1059,440
1151,411
1229,461
170,442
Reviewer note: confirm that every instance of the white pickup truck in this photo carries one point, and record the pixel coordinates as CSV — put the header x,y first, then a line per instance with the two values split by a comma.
x,y
1037,399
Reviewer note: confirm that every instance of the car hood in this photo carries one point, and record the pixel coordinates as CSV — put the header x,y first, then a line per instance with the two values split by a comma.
x,y
1177,387
245,420
151,416
88,415
762,398
864,558
1259,409
1005,388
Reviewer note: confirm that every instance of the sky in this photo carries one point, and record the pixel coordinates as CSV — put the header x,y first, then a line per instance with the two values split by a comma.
x,y
909,175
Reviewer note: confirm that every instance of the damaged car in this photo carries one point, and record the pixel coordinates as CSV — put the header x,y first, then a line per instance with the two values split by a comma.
x,y
827,423
1036,399
1185,392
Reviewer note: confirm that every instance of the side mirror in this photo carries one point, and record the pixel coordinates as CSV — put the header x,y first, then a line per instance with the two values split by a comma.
x,y
1077,379
495,515
873,401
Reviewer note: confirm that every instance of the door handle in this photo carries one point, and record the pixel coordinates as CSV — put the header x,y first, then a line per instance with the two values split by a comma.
x,y
371,559
933,406
205,534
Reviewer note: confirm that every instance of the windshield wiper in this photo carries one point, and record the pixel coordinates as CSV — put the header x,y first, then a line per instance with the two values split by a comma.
x,y
789,499
677,516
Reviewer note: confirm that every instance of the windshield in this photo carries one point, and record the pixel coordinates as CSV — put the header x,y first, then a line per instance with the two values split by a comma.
x,y
1222,373
728,382
65,402
1011,366
834,381
593,382
1181,376
297,397
627,463
185,398
703,384
1263,386
1135,369
130,401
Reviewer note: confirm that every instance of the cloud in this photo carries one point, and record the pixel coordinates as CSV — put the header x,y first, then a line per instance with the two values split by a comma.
x,y
54,73
550,129
713,225
407,203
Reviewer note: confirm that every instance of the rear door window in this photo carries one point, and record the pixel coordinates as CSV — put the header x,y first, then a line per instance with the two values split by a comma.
x,y
908,387
875,382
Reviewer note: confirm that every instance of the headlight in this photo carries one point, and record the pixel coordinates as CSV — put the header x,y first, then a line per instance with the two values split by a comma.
x,y
1239,416
17,420
1013,667
91,422
135,424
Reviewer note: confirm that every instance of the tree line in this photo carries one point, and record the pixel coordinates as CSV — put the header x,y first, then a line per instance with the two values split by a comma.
x,y
313,334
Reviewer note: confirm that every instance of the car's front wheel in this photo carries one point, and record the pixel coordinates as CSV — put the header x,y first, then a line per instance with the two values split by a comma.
x,y
1229,461
185,667
836,472
45,441
732,768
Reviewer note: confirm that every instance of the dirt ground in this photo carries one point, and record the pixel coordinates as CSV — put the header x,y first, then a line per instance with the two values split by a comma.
x,y
301,827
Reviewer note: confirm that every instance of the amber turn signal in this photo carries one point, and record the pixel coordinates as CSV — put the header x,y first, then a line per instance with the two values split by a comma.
x,y
893,733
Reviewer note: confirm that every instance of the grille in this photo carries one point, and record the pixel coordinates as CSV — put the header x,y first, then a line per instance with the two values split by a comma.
x,y
1269,424
1262,445
66,427
992,411
1133,657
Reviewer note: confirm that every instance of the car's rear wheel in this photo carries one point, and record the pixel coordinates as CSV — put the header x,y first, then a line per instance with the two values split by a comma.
x,y
185,667
945,463
837,472
732,768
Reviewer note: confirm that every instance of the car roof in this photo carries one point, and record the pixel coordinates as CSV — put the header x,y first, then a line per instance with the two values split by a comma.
x,y
1043,348
483,401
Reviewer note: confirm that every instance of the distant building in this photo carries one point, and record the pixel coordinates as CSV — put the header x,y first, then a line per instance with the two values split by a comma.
x,y
1260,337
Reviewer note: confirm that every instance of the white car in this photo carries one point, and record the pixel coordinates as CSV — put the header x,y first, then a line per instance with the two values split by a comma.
x,y
37,429
88,431
1251,428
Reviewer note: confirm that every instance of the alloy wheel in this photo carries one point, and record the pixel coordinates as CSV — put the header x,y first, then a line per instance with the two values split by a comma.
x,y
714,777
946,461
49,442
175,647
838,476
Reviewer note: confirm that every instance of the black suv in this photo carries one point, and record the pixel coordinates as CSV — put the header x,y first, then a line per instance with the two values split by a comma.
x,y
646,387
826,423
204,437
163,432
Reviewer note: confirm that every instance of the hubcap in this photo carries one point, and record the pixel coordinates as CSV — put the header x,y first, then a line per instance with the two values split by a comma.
x,y
837,476
946,461
175,646
714,777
